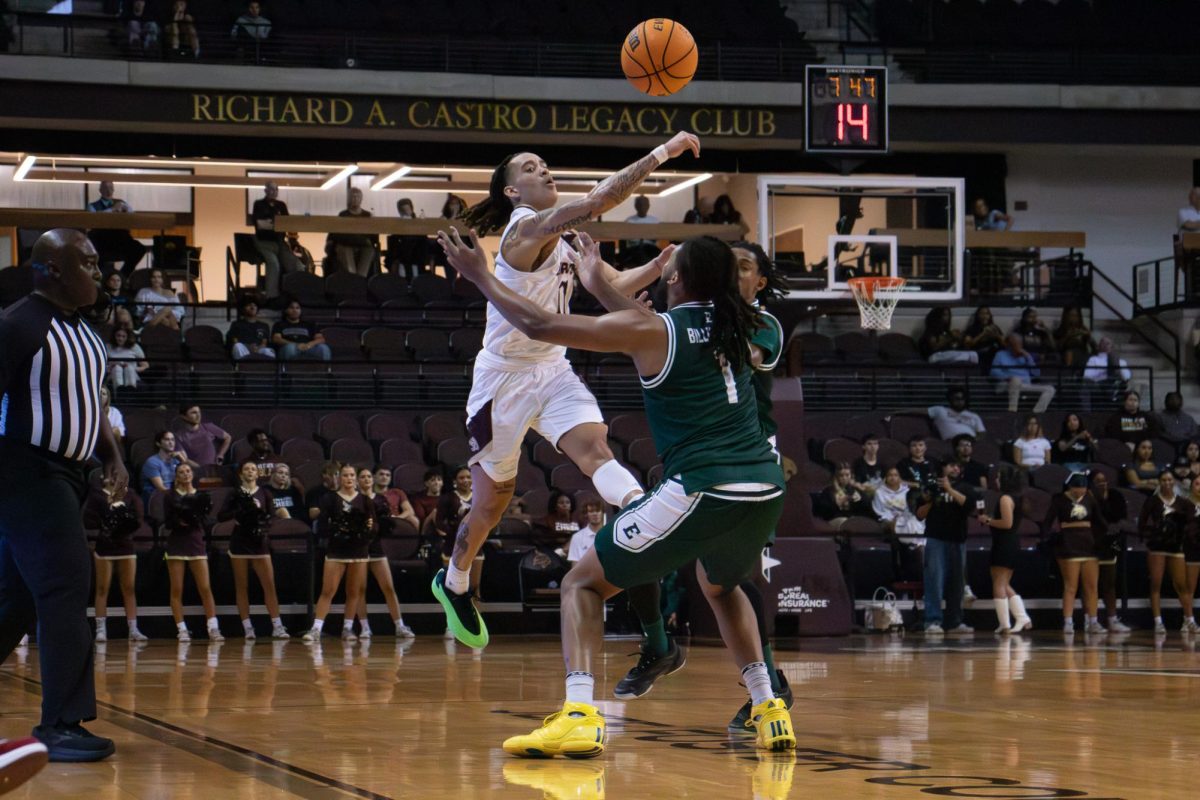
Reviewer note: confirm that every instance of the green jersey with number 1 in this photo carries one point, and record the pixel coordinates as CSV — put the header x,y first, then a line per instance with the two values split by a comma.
x,y
702,414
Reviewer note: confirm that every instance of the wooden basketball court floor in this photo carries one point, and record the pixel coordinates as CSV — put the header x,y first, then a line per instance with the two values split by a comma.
x,y
876,716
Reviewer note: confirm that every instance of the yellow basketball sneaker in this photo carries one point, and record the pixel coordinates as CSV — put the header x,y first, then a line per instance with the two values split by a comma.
x,y
558,780
578,731
774,725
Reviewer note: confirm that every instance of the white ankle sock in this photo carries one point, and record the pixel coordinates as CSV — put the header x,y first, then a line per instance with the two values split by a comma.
x,y
458,580
1158,620
247,625
101,623
1001,606
181,626
1018,607
758,682
581,688
212,623
615,483
318,623
347,624
276,622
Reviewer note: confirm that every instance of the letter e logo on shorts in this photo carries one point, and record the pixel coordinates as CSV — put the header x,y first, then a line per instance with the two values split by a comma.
x,y
631,531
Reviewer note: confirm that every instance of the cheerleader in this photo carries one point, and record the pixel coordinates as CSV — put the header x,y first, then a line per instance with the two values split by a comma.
x,y
252,506
1079,524
1006,550
1115,511
377,564
1167,522
1191,546
116,519
186,510
347,520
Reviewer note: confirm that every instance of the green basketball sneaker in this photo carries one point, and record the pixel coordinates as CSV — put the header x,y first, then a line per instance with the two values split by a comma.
x,y
462,617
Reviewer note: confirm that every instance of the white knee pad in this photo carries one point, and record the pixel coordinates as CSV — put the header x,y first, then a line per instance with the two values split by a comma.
x,y
615,483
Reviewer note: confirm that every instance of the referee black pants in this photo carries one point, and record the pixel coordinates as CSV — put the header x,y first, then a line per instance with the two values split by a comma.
x,y
45,573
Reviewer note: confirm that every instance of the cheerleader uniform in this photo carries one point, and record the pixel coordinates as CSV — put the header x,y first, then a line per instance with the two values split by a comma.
x,y
116,523
383,514
249,537
347,543
1167,525
1115,511
1006,544
185,525
1191,544
1075,544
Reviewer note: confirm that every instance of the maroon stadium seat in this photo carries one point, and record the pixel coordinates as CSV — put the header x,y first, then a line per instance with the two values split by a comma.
x,y
286,425
345,343
338,425
389,425
387,286
546,457
400,451
838,450
301,449
453,452
627,427
356,451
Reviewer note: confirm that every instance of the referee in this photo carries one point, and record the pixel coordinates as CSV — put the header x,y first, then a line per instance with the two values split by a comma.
x,y
51,367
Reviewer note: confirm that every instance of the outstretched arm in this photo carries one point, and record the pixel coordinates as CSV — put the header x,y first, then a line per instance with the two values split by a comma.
x,y
600,279
523,242
641,336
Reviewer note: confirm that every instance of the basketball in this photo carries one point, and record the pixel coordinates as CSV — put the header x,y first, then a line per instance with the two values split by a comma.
x,y
659,57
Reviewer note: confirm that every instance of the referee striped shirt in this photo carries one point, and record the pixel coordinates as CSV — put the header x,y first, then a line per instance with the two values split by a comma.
x,y
52,365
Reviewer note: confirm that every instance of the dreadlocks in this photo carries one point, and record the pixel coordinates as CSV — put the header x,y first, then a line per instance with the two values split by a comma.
x,y
491,214
708,270
776,288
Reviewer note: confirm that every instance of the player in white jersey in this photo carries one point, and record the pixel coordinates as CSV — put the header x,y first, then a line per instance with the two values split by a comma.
x,y
519,383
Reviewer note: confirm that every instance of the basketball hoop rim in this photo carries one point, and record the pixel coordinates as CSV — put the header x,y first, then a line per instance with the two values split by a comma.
x,y
878,281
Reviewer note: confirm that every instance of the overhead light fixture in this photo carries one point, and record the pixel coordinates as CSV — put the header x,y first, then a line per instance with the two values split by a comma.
x,y
690,182
340,176
23,170
171,163
391,178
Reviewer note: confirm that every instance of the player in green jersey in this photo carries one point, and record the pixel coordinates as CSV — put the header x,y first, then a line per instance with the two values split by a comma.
x,y
724,493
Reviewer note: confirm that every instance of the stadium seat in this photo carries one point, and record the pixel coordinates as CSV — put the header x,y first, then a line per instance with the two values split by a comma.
x,y
345,286
838,450
453,452
569,478
305,287
465,343
1164,452
938,450
891,451
902,427
986,451
144,422
546,457
409,477
400,451
140,450
625,428
1134,500
353,451
428,288
308,473
1049,477
529,476
389,425
219,495
161,344
536,501
899,348
238,423
290,535
405,312
514,534
345,343
338,425
1113,452
387,286
466,292
442,425
205,343
385,344
812,476
357,313
815,348
642,454
655,476
287,425
1037,503
858,426
301,449
427,345
1114,475
856,347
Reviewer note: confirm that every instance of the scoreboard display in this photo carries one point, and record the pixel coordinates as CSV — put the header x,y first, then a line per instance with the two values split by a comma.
x,y
845,110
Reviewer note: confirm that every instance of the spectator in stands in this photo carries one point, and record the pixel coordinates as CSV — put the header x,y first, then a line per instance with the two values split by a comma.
x,y
724,213
1191,452
1142,472
114,287
355,251
122,318
397,500
1072,339
204,442
347,522
891,506
1188,219
127,360
1167,522
516,510
425,503
249,335
945,508
301,253
1004,521
294,338
940,343
1130,424
983,336
158,304
114,245
286,498
970,471
329,483
186,510
701,214
158,473
141,30
453,207
1075,447
251,507
1174,424
1035,338
1109,545
1015,369
407,255
252,25
839,501
1031,449
116,420
1080,524
1105,375
585,537
115,518
916,470
868,472
990,219
181,27
554,531
1182,470
641,250
262,453
276,254
955,418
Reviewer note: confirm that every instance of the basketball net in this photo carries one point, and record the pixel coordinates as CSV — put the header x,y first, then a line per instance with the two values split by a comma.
x,y
876,298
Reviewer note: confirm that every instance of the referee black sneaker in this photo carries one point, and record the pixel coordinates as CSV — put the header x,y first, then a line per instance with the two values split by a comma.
x,y
648,669
70,743
741,721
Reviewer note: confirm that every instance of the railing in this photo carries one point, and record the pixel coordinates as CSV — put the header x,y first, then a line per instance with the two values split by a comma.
x,y
867,387
1158,285
1174,354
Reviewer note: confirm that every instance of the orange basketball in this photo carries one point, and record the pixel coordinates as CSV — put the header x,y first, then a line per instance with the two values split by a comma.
x,y
659,57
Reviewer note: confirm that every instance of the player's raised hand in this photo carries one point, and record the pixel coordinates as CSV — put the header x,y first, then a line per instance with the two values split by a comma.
x,y
590,264
660,261
682,142
469,260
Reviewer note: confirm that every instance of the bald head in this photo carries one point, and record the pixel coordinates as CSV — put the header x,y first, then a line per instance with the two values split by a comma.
x,y
66,268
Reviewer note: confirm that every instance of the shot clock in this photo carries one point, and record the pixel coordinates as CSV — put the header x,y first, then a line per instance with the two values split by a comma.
x,y
845,109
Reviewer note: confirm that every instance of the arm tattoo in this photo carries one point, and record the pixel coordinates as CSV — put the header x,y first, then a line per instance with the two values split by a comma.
x,y
618,187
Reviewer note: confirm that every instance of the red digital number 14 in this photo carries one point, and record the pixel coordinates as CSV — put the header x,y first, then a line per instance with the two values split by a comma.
x,y
846,117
